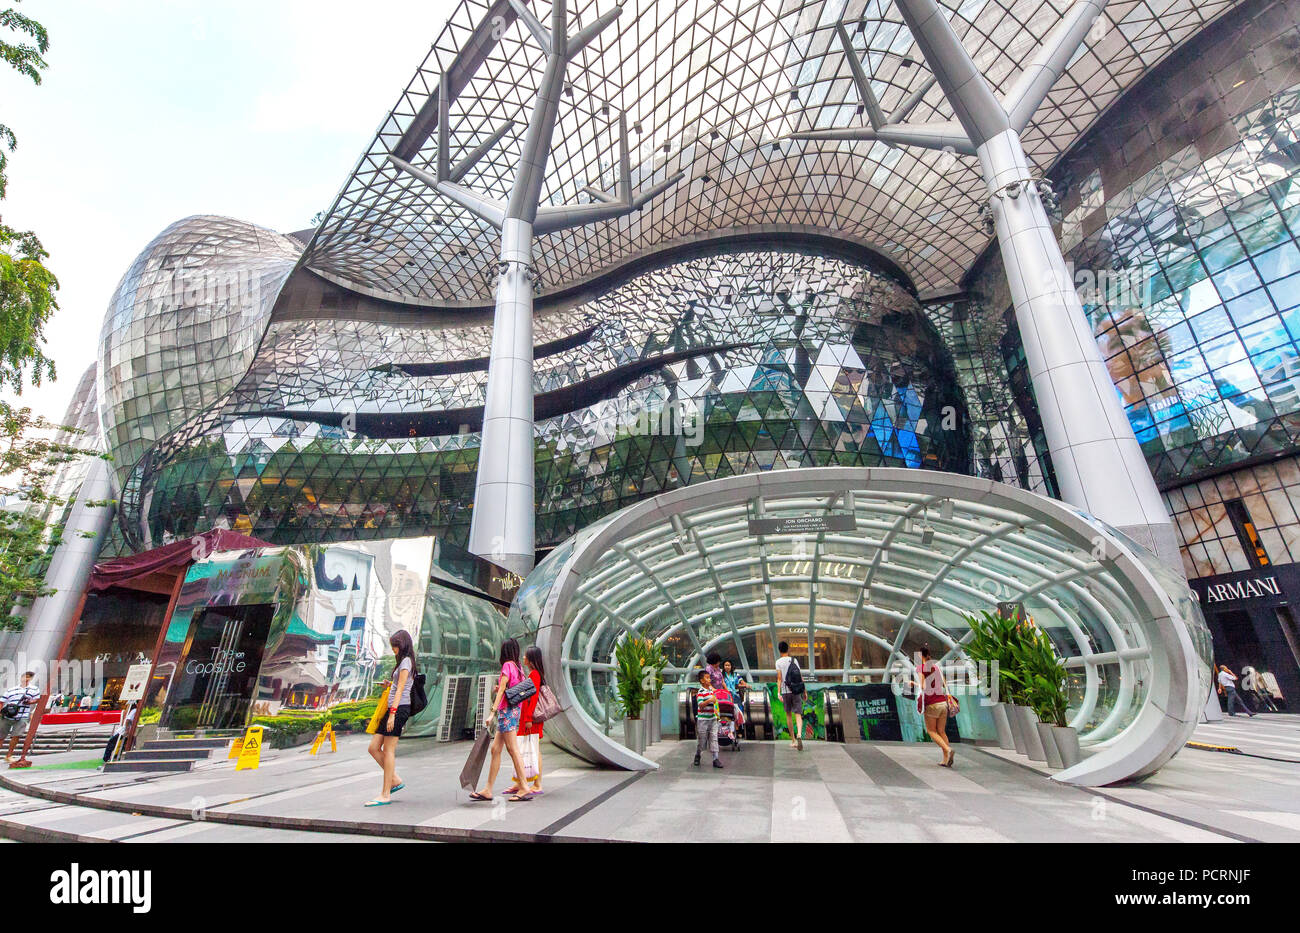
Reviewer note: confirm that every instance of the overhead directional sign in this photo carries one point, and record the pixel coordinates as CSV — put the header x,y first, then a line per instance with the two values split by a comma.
x,y
802,524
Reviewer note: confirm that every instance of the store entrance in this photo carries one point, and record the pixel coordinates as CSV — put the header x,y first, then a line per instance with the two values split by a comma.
x,y
218,671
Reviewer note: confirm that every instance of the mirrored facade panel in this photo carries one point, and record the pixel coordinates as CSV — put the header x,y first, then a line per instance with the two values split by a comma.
x,y
728,362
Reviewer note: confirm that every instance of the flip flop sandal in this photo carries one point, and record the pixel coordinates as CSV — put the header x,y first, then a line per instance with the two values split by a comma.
x,y
477,796
518,799
377,803
396,788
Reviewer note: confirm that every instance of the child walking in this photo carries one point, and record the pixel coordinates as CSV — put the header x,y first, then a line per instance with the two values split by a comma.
x,y
706,719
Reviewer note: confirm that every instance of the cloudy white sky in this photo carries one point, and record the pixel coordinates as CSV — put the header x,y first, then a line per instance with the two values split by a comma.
x,y
153,110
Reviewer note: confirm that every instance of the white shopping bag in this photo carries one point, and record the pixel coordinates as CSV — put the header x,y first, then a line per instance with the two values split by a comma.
x,y
530,751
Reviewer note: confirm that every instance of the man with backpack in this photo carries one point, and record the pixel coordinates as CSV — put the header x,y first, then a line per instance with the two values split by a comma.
x,y
16,712
790,685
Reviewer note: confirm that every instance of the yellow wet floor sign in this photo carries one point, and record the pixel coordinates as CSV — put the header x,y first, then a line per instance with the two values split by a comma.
x,y
326,730
236,747
251,753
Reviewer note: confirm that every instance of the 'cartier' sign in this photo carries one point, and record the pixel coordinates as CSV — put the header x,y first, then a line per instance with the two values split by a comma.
x,y
1242,589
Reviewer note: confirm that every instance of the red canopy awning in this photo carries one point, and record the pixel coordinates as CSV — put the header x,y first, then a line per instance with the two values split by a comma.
x,y
122,570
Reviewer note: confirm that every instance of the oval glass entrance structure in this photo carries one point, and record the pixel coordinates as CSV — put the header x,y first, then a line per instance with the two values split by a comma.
x,y
863,566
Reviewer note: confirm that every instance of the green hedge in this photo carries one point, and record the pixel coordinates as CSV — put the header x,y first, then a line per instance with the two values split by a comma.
x,y
285,728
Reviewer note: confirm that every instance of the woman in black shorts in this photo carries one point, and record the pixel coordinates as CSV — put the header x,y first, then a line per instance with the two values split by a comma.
x,y
383,744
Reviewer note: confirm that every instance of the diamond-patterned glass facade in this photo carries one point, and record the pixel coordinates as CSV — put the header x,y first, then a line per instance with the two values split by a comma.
x,y
713,90
182,327
734,362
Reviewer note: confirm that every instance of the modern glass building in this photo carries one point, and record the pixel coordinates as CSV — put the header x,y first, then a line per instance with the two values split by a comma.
x,y
1024,275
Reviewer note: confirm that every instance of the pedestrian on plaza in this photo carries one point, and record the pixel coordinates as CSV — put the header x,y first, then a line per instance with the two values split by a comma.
x,y
1255,688
706,718
507,721
790,686
713,664
120,732
1228,690
383,744
16,707
530,733
932,700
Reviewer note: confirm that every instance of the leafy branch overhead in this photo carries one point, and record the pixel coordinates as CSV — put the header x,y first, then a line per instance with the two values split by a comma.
x,y
27,287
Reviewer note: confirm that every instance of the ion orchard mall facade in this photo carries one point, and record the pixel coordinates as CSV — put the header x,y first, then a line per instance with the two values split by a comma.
x,y
825,322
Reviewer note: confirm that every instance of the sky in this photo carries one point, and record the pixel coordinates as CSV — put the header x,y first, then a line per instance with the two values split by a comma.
x,y
154,110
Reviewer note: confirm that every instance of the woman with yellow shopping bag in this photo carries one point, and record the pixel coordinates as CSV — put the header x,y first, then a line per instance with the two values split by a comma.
x,y
391,715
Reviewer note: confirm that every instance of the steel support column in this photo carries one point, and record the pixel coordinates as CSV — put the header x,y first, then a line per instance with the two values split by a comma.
x,y
1099,464
502,525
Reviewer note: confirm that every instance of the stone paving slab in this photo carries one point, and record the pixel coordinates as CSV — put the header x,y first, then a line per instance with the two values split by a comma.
x,y
766,792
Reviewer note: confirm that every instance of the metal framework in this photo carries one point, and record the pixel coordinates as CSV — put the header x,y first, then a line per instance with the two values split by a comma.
x,y
502,527
687,570
711,90
1099,464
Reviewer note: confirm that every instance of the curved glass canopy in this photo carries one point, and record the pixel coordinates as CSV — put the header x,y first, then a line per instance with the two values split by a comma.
x,y
712,90
863,566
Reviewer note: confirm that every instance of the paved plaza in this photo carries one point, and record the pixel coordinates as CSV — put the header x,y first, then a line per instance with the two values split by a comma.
x,y
871,792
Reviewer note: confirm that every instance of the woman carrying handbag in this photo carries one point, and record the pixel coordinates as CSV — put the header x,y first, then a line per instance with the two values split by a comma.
x,y
530,729
933,702
505,708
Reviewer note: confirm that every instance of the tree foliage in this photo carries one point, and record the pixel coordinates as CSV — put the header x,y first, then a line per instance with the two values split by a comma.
x,y
32,451
27,287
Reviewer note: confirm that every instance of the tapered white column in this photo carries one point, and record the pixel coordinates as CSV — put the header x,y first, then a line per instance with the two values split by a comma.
x,y
50,616
502,525
1099,464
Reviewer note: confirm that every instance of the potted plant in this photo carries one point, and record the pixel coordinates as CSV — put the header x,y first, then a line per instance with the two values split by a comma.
x,y
629,683
1051,703
1041,675
655,662
990,644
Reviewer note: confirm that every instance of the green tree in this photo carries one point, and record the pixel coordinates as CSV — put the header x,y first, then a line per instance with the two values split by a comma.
x,y
27,287
32,451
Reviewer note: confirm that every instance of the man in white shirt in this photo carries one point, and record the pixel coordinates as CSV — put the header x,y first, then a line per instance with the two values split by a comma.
x,y
16,707
1228,690
790,701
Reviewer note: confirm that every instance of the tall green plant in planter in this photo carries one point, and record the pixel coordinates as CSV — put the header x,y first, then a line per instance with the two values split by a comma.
x,y
630,664
1039,675
994,640
653,676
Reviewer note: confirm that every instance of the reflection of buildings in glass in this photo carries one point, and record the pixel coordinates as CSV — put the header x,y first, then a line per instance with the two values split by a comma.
x,y
854,375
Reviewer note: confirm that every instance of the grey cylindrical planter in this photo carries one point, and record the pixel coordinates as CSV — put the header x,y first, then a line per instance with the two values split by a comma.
x,y
1067,744
1003,724
1033,744
1049,744
1017,725
654,723
634,735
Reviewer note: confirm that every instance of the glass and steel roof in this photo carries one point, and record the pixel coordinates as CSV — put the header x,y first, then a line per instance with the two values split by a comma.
x,y
713,90
893,559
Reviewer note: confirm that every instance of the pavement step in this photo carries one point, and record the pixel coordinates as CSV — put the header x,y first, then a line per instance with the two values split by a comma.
x,y
168,754
149,764
186,743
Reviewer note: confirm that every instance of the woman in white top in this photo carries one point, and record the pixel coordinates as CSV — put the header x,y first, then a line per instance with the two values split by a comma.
x,y
383,744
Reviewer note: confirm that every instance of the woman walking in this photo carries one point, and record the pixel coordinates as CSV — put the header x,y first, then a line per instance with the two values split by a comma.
x,y
933,701
530,731
383,744
507,721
